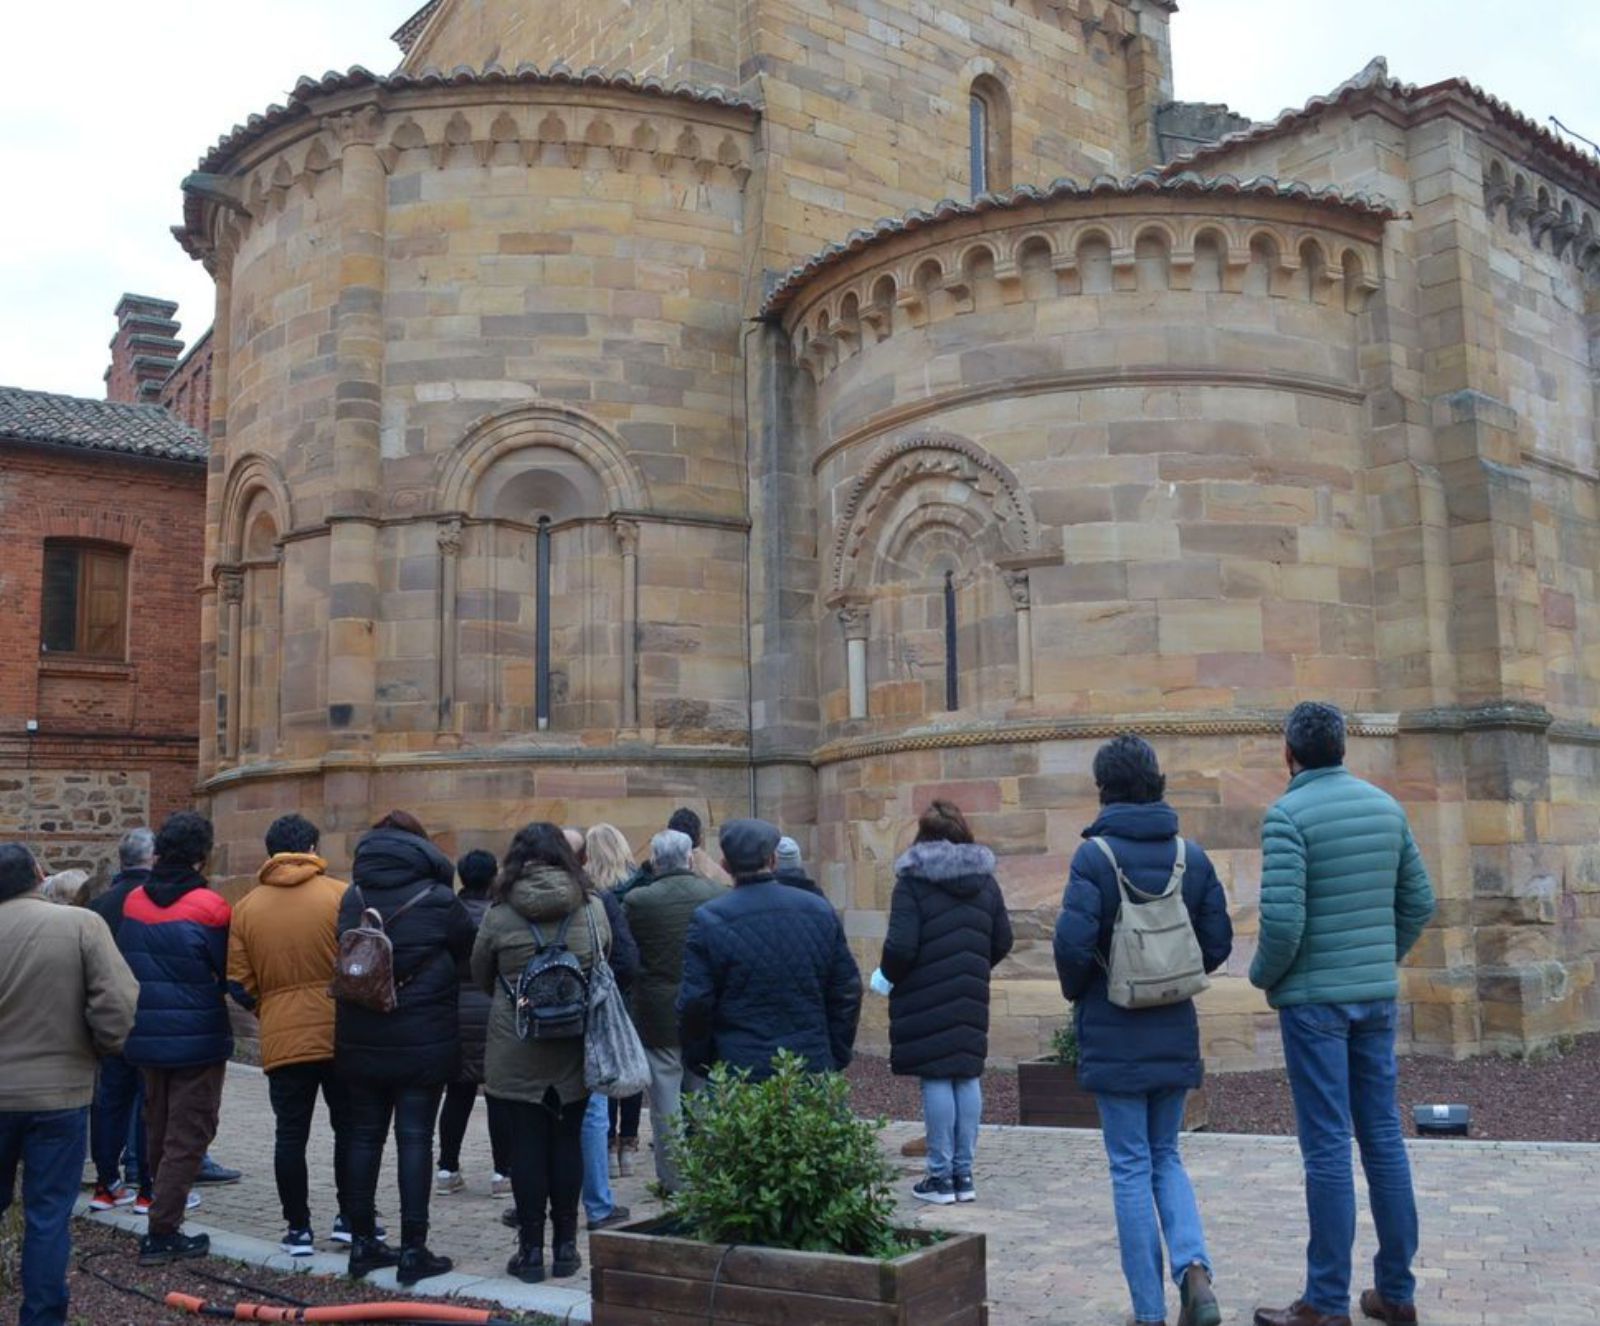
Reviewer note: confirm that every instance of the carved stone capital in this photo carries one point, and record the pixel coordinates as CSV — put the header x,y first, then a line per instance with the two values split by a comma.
x,y
1017,585
230,584
357,127
449,536
627,534
855,615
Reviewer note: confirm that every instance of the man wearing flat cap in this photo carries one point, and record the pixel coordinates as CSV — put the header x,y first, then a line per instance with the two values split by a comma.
x,y
766,968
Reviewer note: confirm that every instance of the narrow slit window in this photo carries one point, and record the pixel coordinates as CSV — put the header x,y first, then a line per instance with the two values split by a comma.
x,y
541,638
978,135
85,601
952,681
989,135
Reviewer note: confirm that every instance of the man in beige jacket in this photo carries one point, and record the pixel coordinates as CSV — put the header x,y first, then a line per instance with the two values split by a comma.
x,y
66,997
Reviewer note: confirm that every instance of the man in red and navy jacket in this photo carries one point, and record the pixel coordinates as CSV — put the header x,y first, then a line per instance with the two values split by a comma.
x,y
174,935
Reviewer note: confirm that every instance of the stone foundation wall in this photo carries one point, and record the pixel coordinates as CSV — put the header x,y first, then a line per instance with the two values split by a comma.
x,y
73,819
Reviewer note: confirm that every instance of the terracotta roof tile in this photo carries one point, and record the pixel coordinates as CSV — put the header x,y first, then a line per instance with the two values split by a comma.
x,y
405,36
1183,184
1374,80
78,421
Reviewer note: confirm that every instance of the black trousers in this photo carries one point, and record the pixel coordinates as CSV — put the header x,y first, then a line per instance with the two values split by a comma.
x,y
293,1090
625,1116
372,1106
547,1166
453,1116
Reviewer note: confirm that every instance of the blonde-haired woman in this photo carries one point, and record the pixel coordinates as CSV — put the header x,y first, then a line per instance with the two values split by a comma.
x,y
608,859
609,863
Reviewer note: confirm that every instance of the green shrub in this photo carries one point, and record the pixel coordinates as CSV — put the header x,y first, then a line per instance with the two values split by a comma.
x,y
783,1164
1064,1044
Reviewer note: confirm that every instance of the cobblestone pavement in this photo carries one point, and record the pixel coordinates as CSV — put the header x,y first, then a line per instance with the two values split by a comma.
x,y
1508,1229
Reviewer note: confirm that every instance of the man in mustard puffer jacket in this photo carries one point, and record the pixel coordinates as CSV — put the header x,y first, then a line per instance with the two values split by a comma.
x,y
1344,897
281,952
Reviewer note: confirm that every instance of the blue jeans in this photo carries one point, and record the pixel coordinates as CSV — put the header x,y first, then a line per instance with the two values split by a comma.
x,y
597,1202
48,1144
1148,1182
1345,1080
116,1124
951,1109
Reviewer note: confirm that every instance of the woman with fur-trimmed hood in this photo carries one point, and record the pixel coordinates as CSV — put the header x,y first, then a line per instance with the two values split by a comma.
x,y
948,928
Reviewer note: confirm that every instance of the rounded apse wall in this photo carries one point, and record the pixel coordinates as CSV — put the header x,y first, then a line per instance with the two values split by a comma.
x,y
478,338
1127,429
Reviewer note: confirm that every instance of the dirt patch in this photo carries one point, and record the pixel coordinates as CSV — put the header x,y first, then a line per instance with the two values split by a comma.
x,y
1551,1100
114,1254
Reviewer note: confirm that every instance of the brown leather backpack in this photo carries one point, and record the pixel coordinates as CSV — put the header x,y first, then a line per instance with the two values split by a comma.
x,y
364,971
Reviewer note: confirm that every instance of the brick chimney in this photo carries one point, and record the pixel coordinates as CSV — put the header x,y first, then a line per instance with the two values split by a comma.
x,y
144,350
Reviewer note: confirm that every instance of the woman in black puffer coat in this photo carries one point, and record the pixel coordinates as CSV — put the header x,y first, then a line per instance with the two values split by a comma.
x,y
476,871
948,928
396,1064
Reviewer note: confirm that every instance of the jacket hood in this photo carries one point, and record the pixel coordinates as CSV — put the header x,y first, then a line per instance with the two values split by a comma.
x,y
288,869
1148,821
956,867
545,893
169,883
393,859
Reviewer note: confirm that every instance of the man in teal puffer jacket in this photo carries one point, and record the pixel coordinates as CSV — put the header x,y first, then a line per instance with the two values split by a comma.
x,y
1344,896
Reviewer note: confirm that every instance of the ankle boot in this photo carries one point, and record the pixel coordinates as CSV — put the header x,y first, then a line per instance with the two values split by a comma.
x,y
627,1156
1198,1303
564,1260
528,1264
417,1263
368,1255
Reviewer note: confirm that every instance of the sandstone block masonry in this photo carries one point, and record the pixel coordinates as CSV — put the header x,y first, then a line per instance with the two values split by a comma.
x,y
584,444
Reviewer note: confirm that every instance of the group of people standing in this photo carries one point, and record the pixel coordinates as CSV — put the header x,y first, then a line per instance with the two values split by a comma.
x,y
721,963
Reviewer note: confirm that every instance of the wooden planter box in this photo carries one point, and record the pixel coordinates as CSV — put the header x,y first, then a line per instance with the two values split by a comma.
x,y
642,1274
1048,1096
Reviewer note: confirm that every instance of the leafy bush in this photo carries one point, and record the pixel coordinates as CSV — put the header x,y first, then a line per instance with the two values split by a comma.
x,y
783,1163
1064,1044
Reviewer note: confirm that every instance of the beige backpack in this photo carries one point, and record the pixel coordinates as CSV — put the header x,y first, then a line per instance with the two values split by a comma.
x,y
1155,957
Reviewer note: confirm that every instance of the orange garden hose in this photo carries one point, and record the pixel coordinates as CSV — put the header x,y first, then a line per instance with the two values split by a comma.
x,y
349,1312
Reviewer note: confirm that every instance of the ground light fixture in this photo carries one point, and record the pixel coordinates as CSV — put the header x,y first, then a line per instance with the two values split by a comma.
x,y
1443,1120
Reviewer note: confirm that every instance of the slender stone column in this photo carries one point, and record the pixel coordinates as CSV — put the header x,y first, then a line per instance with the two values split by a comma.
x,y
855,616
230,586
212,730
1017,583
627,532
449,579
358,473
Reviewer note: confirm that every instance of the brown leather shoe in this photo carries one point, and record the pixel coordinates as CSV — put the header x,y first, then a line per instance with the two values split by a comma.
x,y
917,1146
1373,1305
1297,1314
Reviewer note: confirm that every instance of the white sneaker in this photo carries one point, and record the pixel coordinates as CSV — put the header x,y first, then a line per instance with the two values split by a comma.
x,y
448,1181
499,1185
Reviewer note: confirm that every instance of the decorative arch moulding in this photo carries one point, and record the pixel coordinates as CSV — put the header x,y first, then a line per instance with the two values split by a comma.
x,y
1559,221
1321,245
998,497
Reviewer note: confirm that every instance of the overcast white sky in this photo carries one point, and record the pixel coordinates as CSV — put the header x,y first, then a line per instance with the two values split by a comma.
x,y
105,106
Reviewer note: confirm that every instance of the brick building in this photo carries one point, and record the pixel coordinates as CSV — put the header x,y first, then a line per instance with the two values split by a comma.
x,y
587,445
102,504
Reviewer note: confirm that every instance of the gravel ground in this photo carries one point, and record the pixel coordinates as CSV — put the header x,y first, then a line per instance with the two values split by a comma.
x,y
114,1254
1549,1101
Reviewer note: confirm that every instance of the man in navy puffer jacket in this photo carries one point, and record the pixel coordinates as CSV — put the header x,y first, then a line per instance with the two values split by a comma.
x,y
174,935
1141,1063
766,968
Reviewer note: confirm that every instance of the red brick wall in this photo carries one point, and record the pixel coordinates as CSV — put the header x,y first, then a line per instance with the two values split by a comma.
x,y
187,393
131,726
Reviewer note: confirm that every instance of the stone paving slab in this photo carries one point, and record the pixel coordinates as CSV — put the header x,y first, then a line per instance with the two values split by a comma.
x,y
1508,1229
